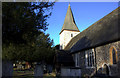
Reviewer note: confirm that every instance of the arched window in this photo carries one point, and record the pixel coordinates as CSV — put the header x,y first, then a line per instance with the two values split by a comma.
x,y
113,55
90,58
77,63
93,62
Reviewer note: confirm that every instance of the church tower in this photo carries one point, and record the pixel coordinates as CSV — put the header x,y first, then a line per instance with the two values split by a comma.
x,y
69,29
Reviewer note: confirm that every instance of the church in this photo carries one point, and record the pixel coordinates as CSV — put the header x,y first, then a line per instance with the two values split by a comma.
x,y
94,51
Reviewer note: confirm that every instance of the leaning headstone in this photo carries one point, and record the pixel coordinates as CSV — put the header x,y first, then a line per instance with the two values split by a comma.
x,y
7,68
38,72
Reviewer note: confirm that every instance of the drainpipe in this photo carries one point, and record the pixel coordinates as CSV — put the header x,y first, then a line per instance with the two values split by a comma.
x,y
95,61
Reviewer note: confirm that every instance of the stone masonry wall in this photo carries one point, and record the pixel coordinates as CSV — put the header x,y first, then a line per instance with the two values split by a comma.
x,y
85,71
103,57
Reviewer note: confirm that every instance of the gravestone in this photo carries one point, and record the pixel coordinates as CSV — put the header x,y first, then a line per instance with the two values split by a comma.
x,y
7,68
49,68
74,72
65,72
38,70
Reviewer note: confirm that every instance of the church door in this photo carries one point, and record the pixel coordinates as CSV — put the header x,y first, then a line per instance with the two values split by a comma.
x,y
105,70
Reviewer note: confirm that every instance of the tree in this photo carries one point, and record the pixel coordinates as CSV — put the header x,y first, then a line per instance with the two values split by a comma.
x,y
44,50
22,23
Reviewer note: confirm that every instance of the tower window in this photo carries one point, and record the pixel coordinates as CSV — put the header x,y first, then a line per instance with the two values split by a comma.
x,y
71,35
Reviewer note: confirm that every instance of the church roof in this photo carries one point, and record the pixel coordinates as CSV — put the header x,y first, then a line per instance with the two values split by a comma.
x,y
104,31
69,22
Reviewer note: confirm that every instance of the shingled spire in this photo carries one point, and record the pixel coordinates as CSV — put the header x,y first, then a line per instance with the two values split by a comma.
x,y
69,22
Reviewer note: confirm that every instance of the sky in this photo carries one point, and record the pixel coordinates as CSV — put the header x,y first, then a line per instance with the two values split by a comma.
x,y
85,14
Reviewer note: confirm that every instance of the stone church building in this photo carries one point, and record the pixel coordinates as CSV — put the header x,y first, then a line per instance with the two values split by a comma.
x,y
96,50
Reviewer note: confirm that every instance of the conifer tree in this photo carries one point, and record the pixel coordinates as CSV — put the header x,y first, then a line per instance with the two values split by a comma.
x,y
23,24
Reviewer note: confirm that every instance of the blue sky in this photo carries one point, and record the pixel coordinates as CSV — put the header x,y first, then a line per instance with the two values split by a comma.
x,y
85,14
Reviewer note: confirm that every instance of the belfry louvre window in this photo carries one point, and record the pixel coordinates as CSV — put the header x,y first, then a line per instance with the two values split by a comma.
x,y
71,35
90,58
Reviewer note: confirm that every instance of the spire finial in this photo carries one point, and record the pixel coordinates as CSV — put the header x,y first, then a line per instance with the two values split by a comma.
x,y
69,3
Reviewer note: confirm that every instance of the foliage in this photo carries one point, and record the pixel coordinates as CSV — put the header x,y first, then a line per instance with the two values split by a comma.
x,y
22,26
21,22
42,50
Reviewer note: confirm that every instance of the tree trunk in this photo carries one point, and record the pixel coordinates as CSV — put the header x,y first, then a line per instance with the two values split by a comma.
x,y
7,68
38,70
